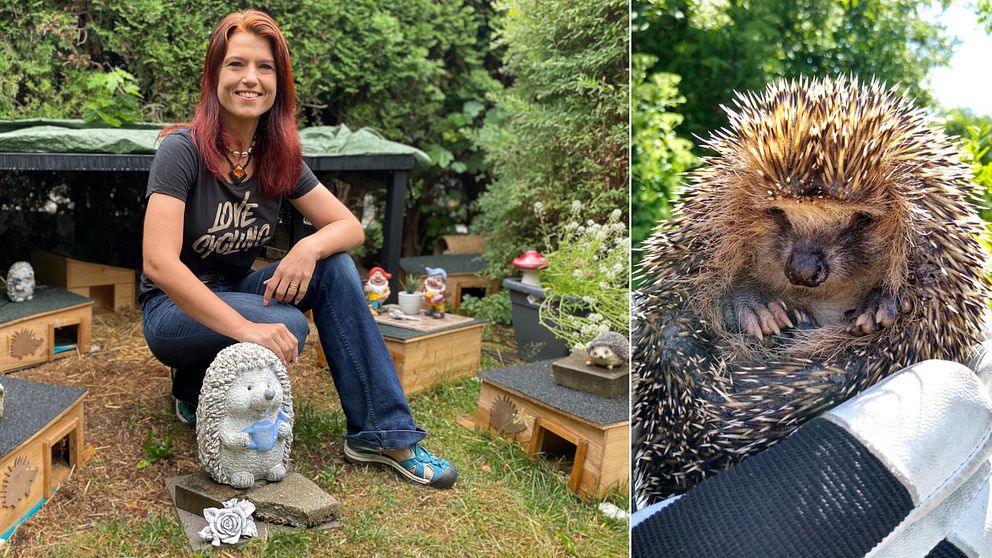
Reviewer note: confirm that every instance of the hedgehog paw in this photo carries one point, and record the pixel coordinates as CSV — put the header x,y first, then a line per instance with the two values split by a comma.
x,y
276,473
878,310
242,479
756,317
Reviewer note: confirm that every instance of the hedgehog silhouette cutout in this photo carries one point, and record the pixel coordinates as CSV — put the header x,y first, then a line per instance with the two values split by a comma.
x,y
17,482
244,420
23,344
503,416
827,243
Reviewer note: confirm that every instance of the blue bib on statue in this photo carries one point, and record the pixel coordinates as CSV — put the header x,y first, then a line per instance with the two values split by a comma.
x,y
264,433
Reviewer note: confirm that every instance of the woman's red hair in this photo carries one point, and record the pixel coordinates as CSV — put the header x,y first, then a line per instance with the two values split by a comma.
x,y
277,153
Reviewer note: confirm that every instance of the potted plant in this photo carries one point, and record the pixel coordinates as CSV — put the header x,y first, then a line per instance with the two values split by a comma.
x,y
410,300
584,287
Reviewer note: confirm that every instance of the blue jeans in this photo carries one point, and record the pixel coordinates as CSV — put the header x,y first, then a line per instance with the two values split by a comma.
x,y
374,405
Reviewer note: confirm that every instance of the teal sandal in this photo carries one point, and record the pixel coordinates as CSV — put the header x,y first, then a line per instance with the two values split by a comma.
x,y
185,411
413,468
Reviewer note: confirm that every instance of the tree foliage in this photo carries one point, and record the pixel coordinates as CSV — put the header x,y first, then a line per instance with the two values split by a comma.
x,y
659,155
975,139
722,46
559,133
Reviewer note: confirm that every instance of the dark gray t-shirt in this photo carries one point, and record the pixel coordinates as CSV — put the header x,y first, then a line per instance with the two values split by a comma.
x,y
225,225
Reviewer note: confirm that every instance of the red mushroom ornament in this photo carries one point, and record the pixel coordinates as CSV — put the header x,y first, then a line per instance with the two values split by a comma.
x,y
529,262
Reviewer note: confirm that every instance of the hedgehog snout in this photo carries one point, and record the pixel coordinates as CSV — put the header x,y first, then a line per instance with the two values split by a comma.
x,y
270,394
806,267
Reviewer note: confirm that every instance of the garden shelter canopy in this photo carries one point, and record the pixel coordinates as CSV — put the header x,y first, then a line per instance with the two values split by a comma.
x,y
74,145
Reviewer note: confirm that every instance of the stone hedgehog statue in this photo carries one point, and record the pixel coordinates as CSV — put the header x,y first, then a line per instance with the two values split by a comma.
x,y
20,282
244,421
608,349
828,243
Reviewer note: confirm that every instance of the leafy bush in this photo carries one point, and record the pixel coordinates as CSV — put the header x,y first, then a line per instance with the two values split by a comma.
x,y
495,308
975,152
112,98
659,155
559,132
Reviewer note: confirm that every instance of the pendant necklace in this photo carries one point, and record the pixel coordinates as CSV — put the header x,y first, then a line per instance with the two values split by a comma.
x,y
238,171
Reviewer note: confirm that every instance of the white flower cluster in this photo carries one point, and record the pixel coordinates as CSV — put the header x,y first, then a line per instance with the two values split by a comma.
x,y
589,265
591,330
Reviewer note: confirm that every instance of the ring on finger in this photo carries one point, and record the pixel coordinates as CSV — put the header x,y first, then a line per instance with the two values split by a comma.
x,y
293,286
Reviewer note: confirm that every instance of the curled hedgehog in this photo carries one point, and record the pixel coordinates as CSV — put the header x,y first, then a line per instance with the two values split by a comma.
x,y
829,242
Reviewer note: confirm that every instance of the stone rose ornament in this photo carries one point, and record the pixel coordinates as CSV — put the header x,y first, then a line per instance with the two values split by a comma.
x,y
228,524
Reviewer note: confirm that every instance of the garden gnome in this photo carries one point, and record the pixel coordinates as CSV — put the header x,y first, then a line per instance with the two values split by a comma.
x,y
434,290
377,289
20,282
244,422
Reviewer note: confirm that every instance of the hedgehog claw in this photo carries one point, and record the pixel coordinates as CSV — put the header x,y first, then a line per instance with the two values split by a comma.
x,y
804,320
755,317
878,310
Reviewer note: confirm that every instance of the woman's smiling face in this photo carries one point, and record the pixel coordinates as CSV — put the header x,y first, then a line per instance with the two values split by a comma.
x,y
246,84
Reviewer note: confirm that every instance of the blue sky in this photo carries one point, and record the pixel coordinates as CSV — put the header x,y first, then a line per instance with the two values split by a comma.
x,y
967,81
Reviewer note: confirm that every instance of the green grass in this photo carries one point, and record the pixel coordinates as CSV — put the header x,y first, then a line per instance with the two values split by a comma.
x,y
505,503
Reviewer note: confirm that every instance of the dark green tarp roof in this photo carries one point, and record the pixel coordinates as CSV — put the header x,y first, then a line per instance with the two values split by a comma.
x,y
75,136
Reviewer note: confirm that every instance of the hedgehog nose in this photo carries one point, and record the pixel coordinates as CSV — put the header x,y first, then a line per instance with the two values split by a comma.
x,y
806,267
270,393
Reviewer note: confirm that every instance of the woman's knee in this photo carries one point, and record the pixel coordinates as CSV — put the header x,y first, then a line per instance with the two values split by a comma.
x,y
299,326
294,320
336,265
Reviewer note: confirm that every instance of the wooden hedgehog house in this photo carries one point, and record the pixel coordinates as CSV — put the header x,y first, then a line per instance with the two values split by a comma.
x,y
53,324
111,288
430,351
41,443
592,432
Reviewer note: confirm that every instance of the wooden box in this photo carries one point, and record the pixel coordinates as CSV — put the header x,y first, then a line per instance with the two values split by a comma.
x,y
111,288
35,331
41,443
523,403
426,358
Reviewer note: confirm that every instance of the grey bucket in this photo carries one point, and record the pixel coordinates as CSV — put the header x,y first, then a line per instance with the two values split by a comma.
x,y
534,341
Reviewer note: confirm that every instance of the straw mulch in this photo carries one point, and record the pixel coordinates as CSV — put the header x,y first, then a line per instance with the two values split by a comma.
x,y
128,398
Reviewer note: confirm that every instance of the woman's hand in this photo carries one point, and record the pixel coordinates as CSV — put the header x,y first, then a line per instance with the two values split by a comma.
x,y
275,337
291,279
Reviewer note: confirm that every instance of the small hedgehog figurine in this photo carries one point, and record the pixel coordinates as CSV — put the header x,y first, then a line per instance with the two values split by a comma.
x,y
608,349
20,282
244,421
827,243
